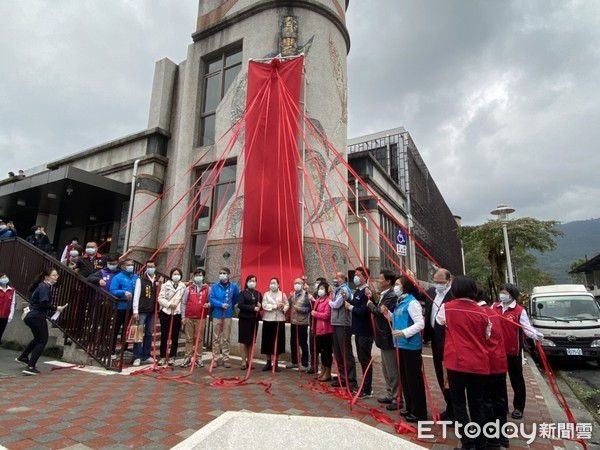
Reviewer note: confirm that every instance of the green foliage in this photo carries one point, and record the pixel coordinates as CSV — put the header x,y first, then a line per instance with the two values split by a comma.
x,y
484,250
577,278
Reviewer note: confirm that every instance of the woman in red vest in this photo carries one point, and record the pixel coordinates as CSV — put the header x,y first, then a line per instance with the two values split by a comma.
x,y
495,400
514,337
7,303
466,356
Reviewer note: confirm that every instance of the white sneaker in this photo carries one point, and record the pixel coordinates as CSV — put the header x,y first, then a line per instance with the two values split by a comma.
x,y
113,356
137,362
291,365
150,360
304,368
162,362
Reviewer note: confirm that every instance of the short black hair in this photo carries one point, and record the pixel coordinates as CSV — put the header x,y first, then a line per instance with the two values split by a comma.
x,y
175,269
325,285
408,287
226,270
389,275
464,287
199,271
363,270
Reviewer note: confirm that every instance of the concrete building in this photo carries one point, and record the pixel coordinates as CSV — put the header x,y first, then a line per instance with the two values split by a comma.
x,y
193,104
410,193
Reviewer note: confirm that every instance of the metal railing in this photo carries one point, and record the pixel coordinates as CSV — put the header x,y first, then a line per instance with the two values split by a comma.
x,y
89,319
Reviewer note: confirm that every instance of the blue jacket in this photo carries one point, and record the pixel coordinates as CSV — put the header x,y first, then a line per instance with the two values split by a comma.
x,y
7,234
220,294
121,283
401,320
40,302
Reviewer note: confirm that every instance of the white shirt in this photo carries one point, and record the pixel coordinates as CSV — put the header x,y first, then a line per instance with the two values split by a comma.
x,y
437,302
415,310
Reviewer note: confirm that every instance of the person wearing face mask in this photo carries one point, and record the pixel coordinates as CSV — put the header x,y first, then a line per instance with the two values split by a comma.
x,y
321,314
40,303
383,338
7,303
38,238
72,257
223,297
90,261
407,323
144,307
249,304
110,268
342,335
194,309
170,298
275,304
7,230
299,317
361,327
313,367
514,338
68,248
123,286
438,295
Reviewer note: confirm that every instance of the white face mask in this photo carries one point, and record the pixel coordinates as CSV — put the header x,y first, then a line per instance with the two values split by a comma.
x,y
397,290
439,287
321,292
273,287
297,287
251,284
504,298
176,278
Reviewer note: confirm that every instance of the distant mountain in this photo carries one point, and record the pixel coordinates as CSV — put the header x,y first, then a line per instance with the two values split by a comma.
x,y
581,238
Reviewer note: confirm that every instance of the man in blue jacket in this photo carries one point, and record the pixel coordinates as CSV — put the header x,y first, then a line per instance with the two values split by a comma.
x,y
223,297
125,286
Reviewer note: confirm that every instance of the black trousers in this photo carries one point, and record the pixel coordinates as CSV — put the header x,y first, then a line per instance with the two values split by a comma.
x,y
495,401
34,349
299,339
119,323
342,350
3,322
323,347
364,345
413,386
165,325
468,388
515,373
438,364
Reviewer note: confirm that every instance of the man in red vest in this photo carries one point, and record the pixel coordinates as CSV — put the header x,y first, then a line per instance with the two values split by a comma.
x,y
194,309
514,338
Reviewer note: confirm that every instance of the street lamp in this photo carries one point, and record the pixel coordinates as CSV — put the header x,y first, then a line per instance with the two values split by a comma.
x,y
502,211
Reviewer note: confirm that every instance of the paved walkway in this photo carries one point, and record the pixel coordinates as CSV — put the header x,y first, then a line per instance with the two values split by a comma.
x,y
101,409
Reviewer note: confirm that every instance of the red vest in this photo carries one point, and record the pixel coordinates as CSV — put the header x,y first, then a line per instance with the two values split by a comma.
x,y
465,349
513,335
497,352
194,308
6,299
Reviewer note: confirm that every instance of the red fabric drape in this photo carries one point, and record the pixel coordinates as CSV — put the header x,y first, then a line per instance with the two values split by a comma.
x,y
272,241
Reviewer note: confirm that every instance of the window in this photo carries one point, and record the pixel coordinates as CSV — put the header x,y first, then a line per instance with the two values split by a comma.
x,y
211,201
387,253
218,78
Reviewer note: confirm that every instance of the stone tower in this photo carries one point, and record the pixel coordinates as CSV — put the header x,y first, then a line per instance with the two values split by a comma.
x,y
197,101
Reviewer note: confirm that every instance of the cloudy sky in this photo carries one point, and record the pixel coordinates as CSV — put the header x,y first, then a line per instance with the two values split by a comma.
x,y
500,97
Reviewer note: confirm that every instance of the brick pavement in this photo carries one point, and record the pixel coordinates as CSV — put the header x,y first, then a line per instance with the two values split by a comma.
x,y
70,407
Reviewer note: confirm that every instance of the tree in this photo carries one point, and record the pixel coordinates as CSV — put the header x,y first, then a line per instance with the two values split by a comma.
x,y
484,248
577,278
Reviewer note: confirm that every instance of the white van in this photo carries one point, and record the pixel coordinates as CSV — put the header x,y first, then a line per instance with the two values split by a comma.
x,y
569,318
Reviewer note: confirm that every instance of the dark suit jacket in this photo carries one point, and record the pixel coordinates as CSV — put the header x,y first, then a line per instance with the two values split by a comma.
x,y
383,333
436,333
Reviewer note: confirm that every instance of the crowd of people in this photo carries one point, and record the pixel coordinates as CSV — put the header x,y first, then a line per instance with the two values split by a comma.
x,y
474,344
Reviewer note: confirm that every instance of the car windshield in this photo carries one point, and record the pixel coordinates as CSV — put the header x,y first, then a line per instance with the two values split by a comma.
x,y
567,307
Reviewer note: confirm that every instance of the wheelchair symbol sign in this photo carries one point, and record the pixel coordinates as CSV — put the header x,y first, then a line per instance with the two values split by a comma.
x,y
400,236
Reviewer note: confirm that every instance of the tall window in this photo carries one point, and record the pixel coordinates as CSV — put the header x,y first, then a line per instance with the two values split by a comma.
x,y
219,75
211,202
